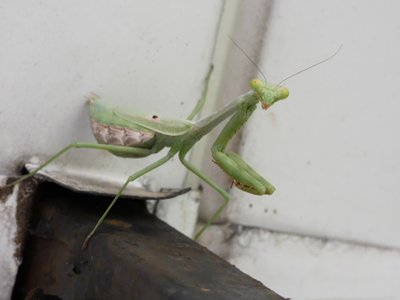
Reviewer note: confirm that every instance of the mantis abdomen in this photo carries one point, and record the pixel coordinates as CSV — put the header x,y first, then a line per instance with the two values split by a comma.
x,y
122,136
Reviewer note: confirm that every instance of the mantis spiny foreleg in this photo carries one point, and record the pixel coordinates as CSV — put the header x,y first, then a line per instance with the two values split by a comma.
x,y
245,178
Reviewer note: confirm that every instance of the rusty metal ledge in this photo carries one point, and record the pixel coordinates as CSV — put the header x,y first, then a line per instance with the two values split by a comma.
x,y
133,256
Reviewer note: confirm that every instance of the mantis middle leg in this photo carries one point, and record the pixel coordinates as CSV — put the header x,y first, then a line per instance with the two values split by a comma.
x,y
202,100
131,178
207,180
244,177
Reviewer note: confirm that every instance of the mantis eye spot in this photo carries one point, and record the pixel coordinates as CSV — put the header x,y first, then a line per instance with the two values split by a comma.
x,y
154,117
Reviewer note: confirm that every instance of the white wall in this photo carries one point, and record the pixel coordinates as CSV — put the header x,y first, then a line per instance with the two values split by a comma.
x,y
150,56
145,56
332,151
331,148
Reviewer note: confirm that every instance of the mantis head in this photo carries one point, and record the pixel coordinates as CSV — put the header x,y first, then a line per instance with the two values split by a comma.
x,y
268,94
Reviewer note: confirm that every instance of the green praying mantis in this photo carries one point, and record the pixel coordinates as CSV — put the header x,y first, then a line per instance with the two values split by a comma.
x,y
131,135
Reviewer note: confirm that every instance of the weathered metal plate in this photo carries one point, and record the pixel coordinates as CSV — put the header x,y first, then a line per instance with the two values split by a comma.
x,y
132,256
85,183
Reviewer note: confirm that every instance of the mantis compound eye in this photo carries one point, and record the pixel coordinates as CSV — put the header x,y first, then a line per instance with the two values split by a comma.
x,y
282,93
256,84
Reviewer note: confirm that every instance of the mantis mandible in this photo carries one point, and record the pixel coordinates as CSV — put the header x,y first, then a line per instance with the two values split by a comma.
x,y
132,135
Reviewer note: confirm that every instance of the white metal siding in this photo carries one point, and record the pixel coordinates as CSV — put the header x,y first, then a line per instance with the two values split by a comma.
x,y
331,230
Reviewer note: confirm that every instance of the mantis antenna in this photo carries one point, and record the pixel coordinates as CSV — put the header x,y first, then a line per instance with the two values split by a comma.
x,y
248,57
312,66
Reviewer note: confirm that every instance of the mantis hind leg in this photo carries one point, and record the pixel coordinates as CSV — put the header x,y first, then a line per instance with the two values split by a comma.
x,y
120,149
131,178
217,188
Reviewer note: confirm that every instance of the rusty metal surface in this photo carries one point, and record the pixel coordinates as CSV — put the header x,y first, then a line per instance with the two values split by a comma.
x,y
133,256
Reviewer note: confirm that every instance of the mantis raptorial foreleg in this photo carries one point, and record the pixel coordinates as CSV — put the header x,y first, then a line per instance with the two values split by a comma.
x,y
244,177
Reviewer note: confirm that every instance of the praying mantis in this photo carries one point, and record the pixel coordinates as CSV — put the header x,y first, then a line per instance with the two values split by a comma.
x,y
131,135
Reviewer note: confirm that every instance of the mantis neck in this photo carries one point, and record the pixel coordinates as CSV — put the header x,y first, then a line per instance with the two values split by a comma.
x,y
207,124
